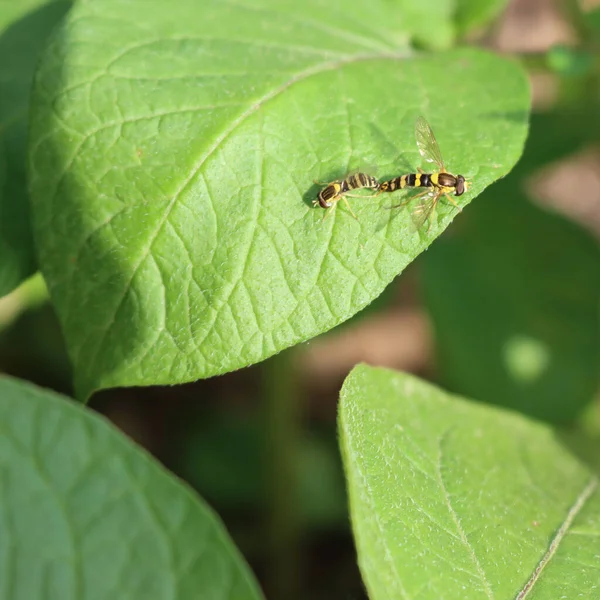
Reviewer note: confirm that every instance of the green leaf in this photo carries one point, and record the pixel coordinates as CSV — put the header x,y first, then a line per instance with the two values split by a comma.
x,y
452,499
592,18
86,515
173,155
570,62
469,14
25,26
513,297
555,135
234,446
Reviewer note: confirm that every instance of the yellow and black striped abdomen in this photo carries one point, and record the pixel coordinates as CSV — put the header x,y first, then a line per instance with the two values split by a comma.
x,y
411,180
357,181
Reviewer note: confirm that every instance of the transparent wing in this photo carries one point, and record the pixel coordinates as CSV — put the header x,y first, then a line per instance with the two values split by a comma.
x,y
410,198
369,168
423,210
401,204
427,144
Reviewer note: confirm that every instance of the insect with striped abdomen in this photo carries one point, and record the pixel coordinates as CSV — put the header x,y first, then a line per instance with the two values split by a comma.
x,y
338,190
438,184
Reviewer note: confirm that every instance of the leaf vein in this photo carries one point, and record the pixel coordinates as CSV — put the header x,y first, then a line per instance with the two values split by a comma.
x,y
560,535
461,532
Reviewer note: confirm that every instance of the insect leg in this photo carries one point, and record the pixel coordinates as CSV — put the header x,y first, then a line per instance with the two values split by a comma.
x,y
359,196
348,205
408,200
327,211
452,201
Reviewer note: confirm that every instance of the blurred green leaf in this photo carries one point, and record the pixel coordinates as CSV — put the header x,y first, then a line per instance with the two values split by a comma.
x,y
469,14
451,499
590,420
592,18
570,62
222,458
555,135
321,490
173,157
513,296
24,28
88,515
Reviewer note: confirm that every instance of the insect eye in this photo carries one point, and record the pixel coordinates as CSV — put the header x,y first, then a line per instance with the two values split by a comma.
x,y
460,186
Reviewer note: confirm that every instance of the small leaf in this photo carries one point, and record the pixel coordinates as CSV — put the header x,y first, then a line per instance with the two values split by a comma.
x,y
25,27
452,499
86,515
173,155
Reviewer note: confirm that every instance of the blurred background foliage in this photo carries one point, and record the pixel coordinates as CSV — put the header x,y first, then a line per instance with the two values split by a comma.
x,y
502,308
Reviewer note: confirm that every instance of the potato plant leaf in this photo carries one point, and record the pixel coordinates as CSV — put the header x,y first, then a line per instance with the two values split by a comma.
x,y
172,164
86,515
24,28
454,499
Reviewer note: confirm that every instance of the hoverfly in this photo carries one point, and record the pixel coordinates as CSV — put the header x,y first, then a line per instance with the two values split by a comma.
x,y
439,184
338,190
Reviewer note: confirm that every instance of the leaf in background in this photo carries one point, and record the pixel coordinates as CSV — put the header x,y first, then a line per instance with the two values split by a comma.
x,y
470,14
513,297
25,26
233,445
592,19
556,135
173,156
87,515
451,499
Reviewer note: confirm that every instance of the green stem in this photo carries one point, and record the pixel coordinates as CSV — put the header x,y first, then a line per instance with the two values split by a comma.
x,y
31,294
282,408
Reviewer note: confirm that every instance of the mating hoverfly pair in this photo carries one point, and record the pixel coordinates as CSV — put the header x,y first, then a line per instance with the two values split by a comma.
x,y
438,184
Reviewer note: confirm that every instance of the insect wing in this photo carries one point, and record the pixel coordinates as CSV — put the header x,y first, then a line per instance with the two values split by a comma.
x,y
423,210
427,144
369,168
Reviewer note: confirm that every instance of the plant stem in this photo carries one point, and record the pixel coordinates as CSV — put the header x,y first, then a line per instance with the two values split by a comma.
x,y
31,294
282,408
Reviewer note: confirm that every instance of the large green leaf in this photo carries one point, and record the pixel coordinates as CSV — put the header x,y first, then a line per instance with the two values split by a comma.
x,y
24,29
86,515
514,297
454,500
173,154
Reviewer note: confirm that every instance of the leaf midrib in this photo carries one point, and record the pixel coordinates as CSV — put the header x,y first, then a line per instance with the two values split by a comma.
x,y
561,533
